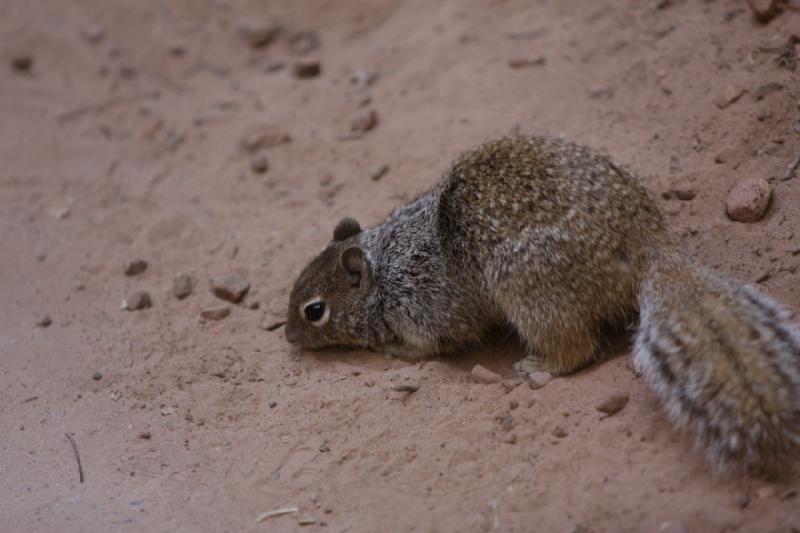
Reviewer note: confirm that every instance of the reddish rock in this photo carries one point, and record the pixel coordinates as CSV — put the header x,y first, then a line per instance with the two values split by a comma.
x,y
748,200
484,375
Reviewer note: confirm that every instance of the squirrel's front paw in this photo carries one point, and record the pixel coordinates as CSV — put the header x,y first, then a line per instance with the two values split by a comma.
x,y
528,365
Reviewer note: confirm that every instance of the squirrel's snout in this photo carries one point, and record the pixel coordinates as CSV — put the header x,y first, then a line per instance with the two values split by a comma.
x,y
291,334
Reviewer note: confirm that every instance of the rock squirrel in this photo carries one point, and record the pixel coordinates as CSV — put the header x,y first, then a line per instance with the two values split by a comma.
x,y
557,240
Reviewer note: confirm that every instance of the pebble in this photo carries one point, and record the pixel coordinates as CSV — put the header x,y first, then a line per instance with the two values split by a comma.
x,y
44,321
93,34
306,521
262,137
230,288
182,286
259,164
748,200
138,300
523,63
484,375
306,69
215,313
613,404
405,387
728,96
97,376
144,435
560,432
363,78
725,156
135,267
672,526
764,10
22,63
259,36
364,122
302,43
682,189
378,172
537,380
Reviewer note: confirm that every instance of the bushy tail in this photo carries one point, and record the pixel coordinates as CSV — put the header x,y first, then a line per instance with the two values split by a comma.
x,y
725,362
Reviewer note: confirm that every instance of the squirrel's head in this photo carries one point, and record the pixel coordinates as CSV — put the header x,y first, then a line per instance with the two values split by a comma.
x,y
326,305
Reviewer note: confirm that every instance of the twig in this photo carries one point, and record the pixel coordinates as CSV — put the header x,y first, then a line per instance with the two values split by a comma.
x,y
77,455
79,112
277,512
792,168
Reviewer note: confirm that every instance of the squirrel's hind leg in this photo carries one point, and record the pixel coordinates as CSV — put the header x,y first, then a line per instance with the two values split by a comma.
x,y
557,343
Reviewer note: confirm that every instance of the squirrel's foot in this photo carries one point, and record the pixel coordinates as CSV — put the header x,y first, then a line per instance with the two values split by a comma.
x,y
528,364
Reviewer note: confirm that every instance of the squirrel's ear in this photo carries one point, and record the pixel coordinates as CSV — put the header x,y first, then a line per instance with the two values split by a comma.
x,y
354,264
346,228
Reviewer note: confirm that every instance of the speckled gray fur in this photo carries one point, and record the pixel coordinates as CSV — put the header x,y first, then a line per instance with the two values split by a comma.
x,y
556,240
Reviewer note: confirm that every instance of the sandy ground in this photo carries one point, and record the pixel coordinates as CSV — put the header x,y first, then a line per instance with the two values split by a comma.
x,y
123,140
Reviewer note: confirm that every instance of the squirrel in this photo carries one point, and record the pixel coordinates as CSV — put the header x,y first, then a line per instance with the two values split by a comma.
x,y
557,241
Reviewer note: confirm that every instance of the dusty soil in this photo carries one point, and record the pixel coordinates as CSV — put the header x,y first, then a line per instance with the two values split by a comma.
x,y
122,138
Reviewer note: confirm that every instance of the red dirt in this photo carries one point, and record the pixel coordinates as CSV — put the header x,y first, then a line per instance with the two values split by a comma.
x,y
126,143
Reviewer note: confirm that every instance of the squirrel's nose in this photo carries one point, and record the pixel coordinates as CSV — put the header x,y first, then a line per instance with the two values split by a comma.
x,y
291,334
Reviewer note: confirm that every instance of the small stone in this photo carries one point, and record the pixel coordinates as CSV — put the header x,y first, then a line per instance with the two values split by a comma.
x,y
259,36
601,92
725,156
511,438
97,376
44,322
764,10
364,122
672,526
271,324
363,78
259,164
560,432
263,137
517,64
215,313
138,300
681,189
145,435
728,96
484,375
537,380
378,172
303,43
230,288
306,521
22,63
135,267
513,404
273,405
182,286
748,200
767,89
93,34
405,387
306,69
613,404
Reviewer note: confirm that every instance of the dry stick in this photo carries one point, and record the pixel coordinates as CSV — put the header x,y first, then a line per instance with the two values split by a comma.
x,y
77,455
791,168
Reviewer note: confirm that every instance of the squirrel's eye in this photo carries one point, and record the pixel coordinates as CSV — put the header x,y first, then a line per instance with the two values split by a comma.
x,y
314,311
